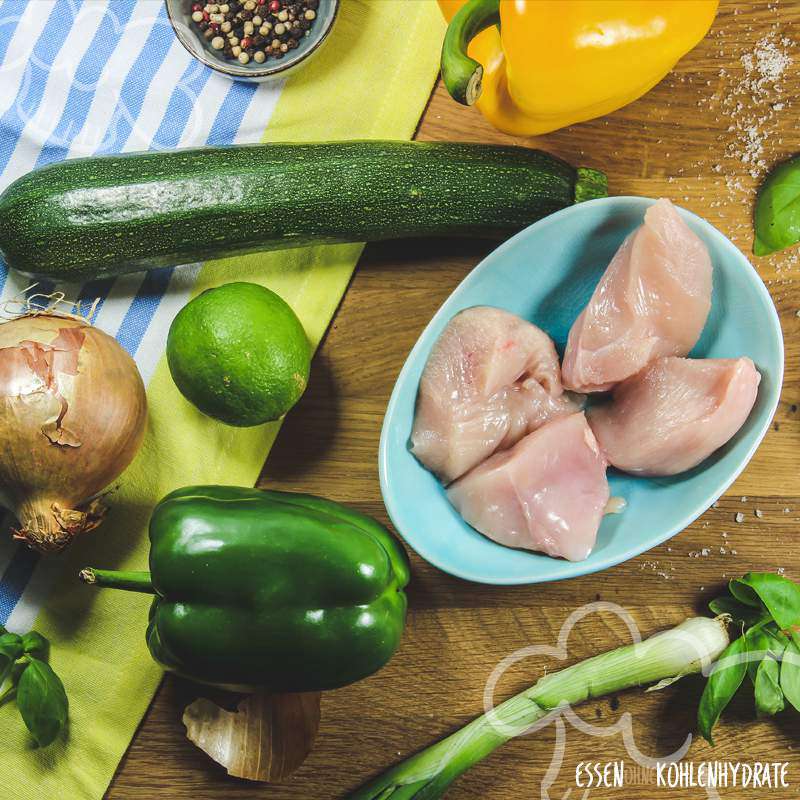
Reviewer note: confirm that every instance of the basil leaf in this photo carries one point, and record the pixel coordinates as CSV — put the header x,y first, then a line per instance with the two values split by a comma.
x,y
769,697
42,701
723,683
11,646
17,670
5,667
739,611
777,212
763,641
779,595
758,648
777,640
35,644
743,593
790,674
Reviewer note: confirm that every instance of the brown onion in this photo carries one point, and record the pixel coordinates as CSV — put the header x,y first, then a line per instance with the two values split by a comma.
x,y
72,416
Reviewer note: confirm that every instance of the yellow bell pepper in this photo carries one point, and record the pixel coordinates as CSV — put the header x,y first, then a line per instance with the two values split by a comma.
x,y
534,66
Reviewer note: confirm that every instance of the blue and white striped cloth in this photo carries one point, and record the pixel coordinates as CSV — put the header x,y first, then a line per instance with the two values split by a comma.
x,y
82,77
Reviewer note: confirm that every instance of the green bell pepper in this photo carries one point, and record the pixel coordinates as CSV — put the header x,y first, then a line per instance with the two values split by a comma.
x,y
254,588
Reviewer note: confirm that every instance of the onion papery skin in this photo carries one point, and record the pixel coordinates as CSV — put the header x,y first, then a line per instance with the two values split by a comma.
x,y
73,412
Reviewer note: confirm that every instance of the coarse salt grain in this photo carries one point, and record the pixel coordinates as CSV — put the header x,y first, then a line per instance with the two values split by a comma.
x,y
739,517
770,61
750,101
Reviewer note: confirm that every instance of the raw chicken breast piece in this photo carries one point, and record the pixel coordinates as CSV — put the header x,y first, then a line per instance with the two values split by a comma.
x,y
653,300
675,413
547,493
490,379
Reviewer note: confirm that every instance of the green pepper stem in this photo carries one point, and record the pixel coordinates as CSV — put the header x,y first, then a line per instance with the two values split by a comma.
x,y
461,74
112,579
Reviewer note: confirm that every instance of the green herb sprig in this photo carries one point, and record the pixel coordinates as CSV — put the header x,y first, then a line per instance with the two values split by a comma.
x,y
765,607
40,695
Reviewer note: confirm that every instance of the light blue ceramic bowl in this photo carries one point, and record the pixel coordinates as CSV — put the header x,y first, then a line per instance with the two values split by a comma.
x,y
546,274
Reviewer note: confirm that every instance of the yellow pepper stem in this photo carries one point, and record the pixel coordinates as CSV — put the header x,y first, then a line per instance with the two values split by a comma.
x,y
461,74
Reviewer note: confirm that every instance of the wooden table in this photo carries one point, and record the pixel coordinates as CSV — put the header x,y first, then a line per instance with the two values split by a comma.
x,y
684,140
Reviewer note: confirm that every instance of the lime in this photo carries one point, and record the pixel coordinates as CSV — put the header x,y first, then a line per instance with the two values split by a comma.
x,y
239,353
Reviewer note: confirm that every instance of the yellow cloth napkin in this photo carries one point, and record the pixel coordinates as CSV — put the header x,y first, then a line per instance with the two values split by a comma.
x,y
371,80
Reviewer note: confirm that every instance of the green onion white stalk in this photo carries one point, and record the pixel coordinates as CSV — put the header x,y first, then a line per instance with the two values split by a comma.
x,y
690,647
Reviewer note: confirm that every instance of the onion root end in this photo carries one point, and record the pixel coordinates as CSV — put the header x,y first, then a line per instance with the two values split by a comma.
x,y
52,532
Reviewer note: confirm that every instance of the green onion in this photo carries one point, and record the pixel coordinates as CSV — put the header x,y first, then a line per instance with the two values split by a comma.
x,y
688,648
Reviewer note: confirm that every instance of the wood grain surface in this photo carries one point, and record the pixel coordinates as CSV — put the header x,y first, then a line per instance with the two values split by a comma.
x,y
695,138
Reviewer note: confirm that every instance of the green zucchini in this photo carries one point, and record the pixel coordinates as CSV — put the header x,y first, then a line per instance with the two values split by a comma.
x,y
107,215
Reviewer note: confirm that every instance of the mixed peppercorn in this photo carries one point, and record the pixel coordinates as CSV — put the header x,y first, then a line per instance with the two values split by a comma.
x,y
255,30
